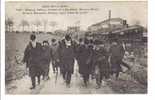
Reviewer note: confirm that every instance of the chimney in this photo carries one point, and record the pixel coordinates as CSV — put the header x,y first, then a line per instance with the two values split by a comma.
x,y
109,20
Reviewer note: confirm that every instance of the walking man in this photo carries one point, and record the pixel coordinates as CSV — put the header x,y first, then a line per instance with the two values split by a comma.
x,y
54,55
100,62
46,57
116,56
84,59
32,58
67,55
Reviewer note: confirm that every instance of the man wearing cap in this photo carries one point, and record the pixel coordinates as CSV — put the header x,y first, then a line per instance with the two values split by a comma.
x,y
116,56
54,55
100,62
46,57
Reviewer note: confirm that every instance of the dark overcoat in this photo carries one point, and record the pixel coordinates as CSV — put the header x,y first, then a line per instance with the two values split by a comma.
x,y
66,56
117,54
84,59
54,51
45,58
32,57
100,60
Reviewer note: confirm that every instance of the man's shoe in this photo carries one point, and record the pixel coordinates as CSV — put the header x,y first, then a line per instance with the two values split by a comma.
x,y
48,78
85,84
98,86
39,83
33,87
68,85
54,72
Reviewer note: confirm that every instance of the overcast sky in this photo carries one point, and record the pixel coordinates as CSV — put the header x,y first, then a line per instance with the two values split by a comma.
x,y
132,11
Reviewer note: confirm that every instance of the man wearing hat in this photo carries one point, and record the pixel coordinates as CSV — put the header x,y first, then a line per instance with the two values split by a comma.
x,y
66,51
32,58
84,59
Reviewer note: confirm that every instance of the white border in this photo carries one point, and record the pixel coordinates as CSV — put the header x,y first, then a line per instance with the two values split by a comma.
x,y
76,0
151,50
151,68
2,49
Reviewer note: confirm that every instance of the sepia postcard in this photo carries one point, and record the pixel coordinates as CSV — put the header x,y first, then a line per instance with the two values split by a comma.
x,y
80,47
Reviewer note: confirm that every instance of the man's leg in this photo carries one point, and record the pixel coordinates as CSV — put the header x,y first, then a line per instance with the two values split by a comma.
x,y
33,82
117,75
47,73
101,77
56,66
53,66
43,73
64,75
85,79
98,81
56,69
68,80
119,68
38,79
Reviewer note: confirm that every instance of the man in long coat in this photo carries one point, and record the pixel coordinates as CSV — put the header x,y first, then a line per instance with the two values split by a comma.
x,y
46,58
66,51
116,56
32,58
84,59
54,54
100,62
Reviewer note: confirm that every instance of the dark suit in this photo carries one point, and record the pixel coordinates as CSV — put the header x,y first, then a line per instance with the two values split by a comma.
x,y
84,59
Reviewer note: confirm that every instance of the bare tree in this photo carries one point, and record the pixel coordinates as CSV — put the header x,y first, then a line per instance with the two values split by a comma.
x,y
9,24
45,25
37,23
24,23
77,23
53,24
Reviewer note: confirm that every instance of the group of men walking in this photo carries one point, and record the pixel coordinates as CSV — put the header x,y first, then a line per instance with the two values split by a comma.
x,y
92,58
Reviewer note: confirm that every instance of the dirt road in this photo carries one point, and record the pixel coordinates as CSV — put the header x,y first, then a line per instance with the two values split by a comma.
x,y
15,45
21,86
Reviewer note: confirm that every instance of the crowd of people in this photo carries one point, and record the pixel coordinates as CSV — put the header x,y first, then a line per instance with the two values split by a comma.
x,y
94,60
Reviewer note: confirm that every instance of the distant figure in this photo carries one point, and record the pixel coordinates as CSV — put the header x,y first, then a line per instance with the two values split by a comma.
x,y
54,55
32,58
67,55
46,57
84,59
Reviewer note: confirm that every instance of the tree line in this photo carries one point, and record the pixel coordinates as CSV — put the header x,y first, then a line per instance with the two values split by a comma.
x,y
30,25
